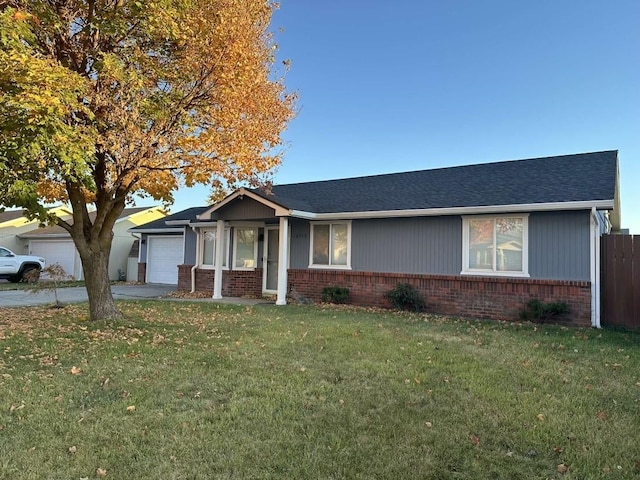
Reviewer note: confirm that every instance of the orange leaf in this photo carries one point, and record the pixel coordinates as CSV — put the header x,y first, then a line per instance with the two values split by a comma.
x,y
475,439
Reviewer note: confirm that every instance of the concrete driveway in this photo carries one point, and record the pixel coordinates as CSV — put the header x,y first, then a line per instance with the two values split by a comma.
x,y
22,298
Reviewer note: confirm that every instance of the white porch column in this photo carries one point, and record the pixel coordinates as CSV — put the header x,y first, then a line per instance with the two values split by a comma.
x,y
219,254
283,261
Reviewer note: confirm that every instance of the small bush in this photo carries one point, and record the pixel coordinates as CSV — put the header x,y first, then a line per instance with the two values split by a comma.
x,y
537,311
405,297
335,294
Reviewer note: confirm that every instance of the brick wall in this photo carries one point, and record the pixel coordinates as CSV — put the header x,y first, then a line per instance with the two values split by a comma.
x,y
235,283
142,272
479,297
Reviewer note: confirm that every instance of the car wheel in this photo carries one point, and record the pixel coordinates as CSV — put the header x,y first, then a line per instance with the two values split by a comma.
x,y
14,278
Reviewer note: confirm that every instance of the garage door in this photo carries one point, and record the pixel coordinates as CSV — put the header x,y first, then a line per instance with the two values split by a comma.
x,y
62,252
164,254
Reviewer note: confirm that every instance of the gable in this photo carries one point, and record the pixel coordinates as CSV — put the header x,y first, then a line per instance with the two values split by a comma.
x,y
244,208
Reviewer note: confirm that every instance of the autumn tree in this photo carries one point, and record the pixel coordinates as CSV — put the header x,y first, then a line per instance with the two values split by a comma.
x,y
103,101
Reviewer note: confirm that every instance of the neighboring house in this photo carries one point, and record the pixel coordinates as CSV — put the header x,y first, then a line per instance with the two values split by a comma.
x,y
55,244
14,223
478,240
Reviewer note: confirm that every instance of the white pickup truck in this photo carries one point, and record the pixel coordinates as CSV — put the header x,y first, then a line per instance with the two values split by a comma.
x,y
18,268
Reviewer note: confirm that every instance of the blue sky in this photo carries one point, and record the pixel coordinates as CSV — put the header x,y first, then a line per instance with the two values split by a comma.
x,y
407,85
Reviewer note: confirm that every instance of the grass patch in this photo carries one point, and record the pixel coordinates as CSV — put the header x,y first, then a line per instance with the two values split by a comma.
x,y
312,392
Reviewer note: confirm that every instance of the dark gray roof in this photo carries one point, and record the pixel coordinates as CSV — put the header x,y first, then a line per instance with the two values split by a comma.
x,y
188,214
567,178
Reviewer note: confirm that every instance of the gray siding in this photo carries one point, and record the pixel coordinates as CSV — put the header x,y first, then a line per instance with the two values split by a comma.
x,y
190,240
246,209
299,249
559,245
407,245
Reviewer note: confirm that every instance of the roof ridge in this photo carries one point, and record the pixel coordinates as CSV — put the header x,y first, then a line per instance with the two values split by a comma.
x,y
453,167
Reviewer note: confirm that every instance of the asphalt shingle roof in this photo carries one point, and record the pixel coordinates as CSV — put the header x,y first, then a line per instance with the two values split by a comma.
x,y
566,178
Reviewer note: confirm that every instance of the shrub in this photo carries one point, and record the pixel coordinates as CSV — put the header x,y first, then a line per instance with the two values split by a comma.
x,y
405,297
335,294
541,312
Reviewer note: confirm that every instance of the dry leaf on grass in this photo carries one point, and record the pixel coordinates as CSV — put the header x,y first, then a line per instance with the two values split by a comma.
x,y
75,370
562,468
101,472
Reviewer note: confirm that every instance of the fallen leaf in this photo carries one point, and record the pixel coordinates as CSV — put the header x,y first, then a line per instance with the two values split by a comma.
x,y
540,417
562,468
474,439
428,424
73,449
131,408
558,449
602,415
101,472
75,370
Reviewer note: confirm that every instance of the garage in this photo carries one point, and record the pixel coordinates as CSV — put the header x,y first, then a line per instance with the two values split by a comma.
x,y
164,254
62,252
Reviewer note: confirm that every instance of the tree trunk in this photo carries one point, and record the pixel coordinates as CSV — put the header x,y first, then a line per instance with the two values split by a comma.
x,y
95,265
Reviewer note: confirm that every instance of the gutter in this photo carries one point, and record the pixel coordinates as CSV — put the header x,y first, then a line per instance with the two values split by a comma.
x,y
594,245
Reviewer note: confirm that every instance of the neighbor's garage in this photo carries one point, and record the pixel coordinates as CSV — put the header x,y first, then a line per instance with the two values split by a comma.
x,y
62,252
164,254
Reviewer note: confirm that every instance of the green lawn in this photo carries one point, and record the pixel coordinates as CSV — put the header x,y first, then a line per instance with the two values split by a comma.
x,y
199,391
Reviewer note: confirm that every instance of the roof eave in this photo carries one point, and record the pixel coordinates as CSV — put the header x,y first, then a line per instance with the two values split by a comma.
x,y
426,212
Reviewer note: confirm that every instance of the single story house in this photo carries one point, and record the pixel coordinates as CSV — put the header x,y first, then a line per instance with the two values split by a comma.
x,y
55,244
477,240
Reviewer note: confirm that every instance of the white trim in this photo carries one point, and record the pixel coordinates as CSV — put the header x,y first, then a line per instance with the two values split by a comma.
x,y
330,266
177,222
279,210
466,270
154,230
489,209
200,243
235,249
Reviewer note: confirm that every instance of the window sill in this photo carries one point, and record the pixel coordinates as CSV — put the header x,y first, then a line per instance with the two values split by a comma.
x,y
490,273
330,267
210,267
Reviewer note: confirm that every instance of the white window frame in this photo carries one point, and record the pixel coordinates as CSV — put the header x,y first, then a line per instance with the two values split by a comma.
x,y
235,248
493,272
227,236
329,266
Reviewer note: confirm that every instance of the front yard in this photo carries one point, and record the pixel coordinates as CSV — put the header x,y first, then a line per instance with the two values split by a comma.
x,y
200,391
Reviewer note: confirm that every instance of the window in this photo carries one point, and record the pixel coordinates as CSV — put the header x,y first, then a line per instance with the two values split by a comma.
x,y
495,245
330,245
208,252
245,248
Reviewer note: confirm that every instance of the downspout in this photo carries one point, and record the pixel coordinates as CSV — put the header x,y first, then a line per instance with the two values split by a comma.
x,y
595,268
197,263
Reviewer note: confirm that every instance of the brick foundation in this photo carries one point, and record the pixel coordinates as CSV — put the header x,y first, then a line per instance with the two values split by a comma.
x,y
478,297
142,272
235,283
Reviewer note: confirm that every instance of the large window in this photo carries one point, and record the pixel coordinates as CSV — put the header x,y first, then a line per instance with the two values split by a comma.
x,y
330,245
208,251
245,248
495,245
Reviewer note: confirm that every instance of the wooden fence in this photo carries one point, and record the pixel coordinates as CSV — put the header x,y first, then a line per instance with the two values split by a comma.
x,y
620,281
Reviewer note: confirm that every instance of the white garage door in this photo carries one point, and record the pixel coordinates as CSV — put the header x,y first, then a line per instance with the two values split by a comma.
x,y
164,254
62,252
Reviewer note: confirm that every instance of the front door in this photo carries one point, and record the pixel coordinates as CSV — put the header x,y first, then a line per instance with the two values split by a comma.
x,y
272,247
